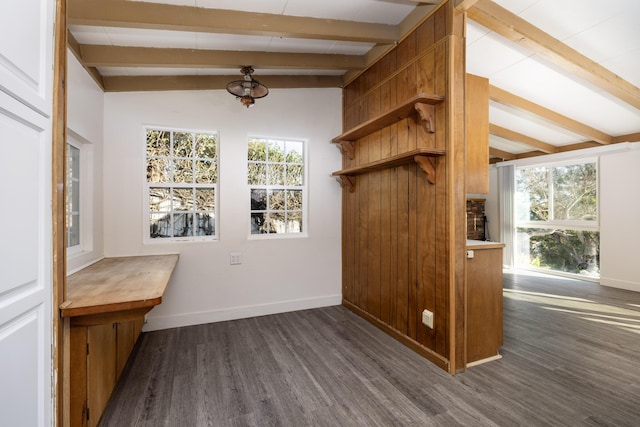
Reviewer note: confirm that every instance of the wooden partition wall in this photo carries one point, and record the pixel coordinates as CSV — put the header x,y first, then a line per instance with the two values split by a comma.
x,y
403,220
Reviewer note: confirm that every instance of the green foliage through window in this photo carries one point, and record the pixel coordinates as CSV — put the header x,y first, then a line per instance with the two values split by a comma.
x,y
182,176
275,174
557,218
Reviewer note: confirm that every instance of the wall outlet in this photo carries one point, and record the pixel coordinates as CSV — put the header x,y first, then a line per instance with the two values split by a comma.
x,y
469,254
427,318
235,258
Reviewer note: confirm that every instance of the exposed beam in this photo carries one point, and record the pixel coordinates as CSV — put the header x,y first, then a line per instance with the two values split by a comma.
x,y
503,97
502,154
74,46
121,56
524,139
516,29
162,83
134,14
632,137
464,5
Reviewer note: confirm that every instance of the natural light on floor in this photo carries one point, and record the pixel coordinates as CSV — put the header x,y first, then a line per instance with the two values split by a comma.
x,y
584,308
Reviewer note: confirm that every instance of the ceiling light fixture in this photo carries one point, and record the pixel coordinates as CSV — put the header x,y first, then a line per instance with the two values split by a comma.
x,y
248,89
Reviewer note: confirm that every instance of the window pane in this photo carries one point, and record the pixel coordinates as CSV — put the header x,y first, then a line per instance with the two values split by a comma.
x,y
257,150
257,174
259,200
205,199
276,151
574,192
258,223
183,171
158,170
159,200
182,199
294,175
294,222
294,152
206,146
182,224
294,200
276,200
277,222
159,225
74,157
276,174
532,194
182,144
73,230
570,251
205,224
157,143
206,172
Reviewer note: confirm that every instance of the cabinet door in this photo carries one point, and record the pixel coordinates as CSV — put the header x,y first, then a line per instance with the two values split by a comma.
x,y
477,134
101,368
127,335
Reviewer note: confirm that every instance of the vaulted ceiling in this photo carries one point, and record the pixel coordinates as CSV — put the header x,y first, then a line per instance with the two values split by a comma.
x,y
564,74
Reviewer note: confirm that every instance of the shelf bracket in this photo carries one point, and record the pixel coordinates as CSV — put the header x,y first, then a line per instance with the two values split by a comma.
x,y
428,166
426,112
348,148
347,181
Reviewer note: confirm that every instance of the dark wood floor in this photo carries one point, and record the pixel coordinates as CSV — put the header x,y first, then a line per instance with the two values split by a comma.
x,y
571,357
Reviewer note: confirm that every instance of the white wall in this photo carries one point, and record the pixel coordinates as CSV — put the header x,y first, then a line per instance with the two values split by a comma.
x,y
85,113
204,287
619,216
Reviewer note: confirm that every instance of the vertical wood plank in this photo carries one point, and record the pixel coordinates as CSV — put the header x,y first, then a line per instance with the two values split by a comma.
x,y
77,371
101,368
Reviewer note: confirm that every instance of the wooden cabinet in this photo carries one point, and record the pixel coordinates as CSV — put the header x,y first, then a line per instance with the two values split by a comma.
x,y
484,301
104,314
98,356
477,134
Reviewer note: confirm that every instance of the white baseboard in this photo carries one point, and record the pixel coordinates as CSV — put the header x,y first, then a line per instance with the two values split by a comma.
x,y
621,284
188,319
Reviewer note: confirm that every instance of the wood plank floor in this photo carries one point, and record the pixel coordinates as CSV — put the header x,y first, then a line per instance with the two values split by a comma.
x,y
571,357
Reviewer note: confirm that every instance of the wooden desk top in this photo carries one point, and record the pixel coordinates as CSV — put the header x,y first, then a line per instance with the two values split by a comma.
x,y
118,284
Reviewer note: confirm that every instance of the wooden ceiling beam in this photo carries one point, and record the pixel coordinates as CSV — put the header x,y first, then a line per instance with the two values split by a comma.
x,y
521,138
74,46
135,14
516,29
504,155
121,56
163,83
506,98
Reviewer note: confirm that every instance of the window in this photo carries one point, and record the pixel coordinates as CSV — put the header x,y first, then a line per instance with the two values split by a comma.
x,y
557,217
181,190
276,177
73,196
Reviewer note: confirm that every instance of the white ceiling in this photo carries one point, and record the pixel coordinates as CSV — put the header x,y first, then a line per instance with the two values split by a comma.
x,y
604,31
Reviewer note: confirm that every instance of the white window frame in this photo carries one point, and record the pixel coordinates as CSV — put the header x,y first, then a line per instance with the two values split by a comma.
x,y
303,187
559,223
86,195
147,239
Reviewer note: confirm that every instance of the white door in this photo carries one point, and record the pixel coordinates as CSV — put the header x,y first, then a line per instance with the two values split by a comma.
x,y
26,78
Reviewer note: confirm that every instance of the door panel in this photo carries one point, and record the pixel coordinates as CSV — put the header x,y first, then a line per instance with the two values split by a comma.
x,y
26,51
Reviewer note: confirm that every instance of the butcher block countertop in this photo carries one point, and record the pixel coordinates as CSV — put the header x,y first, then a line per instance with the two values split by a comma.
x,y
118,285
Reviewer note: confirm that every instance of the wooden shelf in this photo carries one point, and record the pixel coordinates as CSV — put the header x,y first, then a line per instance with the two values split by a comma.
x,y
424,157
418,104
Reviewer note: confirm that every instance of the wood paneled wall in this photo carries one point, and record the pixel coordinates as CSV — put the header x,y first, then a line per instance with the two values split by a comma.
x,y
397,228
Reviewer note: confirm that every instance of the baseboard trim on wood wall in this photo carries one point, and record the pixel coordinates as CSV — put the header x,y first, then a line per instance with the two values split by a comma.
x,y
198,318
430,355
